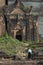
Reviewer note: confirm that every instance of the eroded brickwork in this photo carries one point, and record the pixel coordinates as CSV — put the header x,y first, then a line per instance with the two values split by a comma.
x,y
19,25
2,26
2,3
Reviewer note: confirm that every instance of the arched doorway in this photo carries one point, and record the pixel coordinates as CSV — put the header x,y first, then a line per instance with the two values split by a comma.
x,y
19,35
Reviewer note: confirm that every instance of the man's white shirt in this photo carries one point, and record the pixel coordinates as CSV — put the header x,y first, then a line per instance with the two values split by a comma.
x,y
29,50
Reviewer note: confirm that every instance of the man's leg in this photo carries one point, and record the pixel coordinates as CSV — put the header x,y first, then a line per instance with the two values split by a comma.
x,y
29,55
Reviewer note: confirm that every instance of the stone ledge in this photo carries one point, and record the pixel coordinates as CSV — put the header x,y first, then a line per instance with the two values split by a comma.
x,y
13,62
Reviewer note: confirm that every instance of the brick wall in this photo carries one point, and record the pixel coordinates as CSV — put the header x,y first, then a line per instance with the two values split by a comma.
x,y
2,3
2,26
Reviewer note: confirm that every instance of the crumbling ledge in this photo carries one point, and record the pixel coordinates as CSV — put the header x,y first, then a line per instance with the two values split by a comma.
x,y
10,62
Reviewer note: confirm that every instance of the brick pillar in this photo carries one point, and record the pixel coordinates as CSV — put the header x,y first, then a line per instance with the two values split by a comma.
x,y
24,34
29,27
2,26
35,25
36,34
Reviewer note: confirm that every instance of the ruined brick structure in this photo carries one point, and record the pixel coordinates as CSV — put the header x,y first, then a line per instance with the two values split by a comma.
x,y
2,3
2,23
18,23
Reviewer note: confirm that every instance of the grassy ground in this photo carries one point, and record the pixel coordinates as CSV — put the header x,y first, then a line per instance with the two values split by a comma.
x,y
13,46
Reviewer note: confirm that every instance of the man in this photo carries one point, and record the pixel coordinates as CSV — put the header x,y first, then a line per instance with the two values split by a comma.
x,y
29,53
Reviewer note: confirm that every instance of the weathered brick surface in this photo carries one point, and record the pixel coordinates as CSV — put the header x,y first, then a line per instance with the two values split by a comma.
x,y
2,3
2,26
10,62
20,22
19,63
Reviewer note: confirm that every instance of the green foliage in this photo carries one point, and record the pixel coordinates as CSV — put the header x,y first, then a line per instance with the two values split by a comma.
x,y
12,46
33,46
26,8
8,44
41,40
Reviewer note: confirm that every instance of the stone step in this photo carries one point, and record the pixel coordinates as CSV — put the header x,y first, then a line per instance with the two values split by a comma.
x,y
10,62
39,57
38,44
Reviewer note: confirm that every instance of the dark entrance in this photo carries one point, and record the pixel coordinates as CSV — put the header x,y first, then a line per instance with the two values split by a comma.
x,y
19,35
6,2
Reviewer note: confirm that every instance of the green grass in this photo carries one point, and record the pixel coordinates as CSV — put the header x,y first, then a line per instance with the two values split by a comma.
x,y
13,46
10,45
